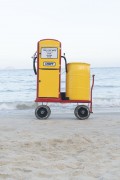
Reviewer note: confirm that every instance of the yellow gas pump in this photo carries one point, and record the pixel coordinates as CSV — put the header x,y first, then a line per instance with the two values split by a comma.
x,y
49,57
48,73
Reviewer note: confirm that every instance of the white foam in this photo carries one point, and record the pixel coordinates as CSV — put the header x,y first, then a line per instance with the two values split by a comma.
x,y
17,105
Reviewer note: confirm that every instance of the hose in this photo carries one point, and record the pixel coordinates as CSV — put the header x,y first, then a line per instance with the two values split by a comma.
x,y
65,62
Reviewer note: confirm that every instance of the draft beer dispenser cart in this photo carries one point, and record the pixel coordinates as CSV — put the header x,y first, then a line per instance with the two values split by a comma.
x,y
48,58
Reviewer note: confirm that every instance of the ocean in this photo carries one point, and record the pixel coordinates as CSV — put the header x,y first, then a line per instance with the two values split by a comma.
x,y
18,90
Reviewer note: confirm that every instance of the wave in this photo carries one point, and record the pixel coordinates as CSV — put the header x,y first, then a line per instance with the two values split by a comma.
x,y
107,86
106,102
17,105
97,103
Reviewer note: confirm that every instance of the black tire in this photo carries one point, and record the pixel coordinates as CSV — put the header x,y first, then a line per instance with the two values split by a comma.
x,y
82,112
42,112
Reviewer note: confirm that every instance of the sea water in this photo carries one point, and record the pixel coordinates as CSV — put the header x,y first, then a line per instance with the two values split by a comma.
x,y
18,89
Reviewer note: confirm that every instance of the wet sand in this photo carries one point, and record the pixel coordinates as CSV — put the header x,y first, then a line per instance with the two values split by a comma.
x,y
61,147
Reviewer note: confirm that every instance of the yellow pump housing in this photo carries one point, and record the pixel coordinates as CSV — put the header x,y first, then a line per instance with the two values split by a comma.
x,y
49,58
78,81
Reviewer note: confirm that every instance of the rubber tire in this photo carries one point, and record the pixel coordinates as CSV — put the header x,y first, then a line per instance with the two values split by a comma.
x,y
82,112
42,112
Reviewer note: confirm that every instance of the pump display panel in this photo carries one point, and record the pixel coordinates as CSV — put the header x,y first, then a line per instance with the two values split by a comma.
x,y
49,53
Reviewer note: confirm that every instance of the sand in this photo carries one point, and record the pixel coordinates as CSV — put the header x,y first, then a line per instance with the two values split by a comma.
x,y
60,147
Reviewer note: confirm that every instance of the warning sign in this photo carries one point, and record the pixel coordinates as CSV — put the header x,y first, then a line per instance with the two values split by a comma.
x,y
49,53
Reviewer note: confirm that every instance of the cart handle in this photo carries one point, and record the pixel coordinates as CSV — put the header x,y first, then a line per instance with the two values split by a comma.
x,y
93,79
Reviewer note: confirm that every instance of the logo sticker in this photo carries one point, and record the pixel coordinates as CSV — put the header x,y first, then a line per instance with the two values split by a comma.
x,y
49,64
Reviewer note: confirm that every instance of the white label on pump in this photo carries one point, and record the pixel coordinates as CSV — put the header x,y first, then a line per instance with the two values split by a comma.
x,y
49,53
49,64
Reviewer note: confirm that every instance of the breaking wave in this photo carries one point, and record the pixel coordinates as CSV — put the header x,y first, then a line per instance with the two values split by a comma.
x,y
97,103
17,105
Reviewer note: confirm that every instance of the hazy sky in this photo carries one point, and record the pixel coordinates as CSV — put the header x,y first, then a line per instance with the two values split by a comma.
x,y
89,30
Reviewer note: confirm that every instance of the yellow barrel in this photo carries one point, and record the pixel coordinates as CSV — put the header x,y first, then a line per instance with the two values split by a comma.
x,y
78,81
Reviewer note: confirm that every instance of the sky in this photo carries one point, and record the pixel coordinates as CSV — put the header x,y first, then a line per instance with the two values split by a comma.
x,y
89,30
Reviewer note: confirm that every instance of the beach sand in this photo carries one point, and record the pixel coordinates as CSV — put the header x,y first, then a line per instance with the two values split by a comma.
x,y
61,147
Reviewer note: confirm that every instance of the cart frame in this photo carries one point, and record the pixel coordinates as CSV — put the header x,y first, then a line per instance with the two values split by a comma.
x,y
59,100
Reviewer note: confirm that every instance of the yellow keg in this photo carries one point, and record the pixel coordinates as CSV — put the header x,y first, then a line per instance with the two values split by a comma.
x,y
78,81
